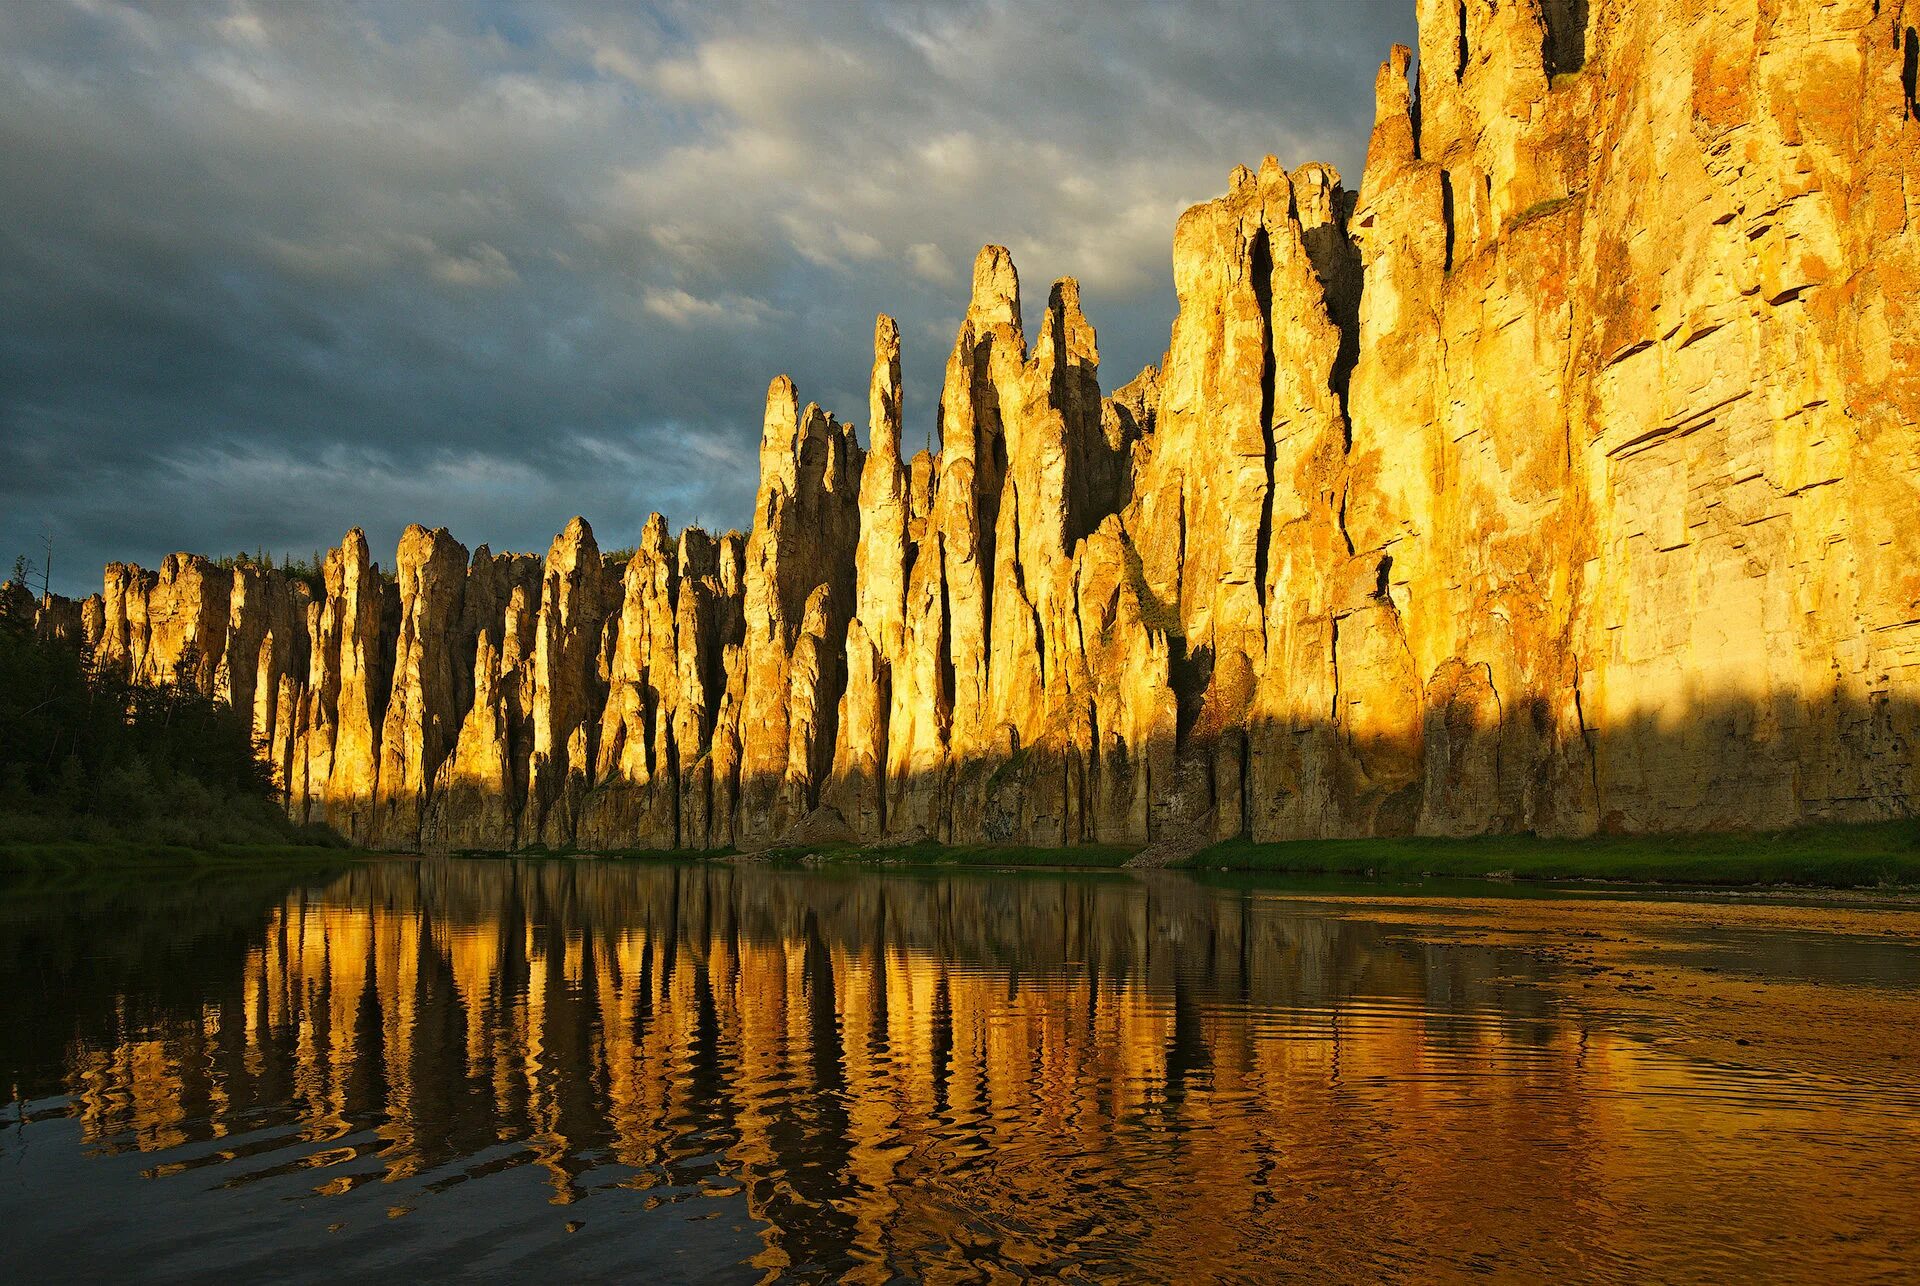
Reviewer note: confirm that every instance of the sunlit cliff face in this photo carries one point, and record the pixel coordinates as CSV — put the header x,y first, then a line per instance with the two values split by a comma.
x,y
909,1072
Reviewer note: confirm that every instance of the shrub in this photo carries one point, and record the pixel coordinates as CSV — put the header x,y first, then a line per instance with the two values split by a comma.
x,y
86,755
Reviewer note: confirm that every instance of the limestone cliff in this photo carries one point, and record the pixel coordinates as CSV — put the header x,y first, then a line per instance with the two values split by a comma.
x,y
1564,479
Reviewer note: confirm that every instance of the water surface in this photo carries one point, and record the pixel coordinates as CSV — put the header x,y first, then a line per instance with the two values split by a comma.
x,y
729,1072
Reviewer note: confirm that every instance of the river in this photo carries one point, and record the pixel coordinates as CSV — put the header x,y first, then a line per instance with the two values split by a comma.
x,y
731,1072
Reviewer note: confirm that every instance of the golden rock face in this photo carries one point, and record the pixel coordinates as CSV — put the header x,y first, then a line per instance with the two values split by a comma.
x,y
1567,479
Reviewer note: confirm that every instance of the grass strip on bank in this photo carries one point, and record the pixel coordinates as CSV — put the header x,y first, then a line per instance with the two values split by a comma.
x,y
838,853
38,860
929,853
1869,855
543,852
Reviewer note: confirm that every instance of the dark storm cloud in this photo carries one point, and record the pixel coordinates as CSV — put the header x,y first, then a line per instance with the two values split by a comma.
x,y
270,270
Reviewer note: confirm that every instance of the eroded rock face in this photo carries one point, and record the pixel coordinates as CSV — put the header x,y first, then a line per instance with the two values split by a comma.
x,y
877,634
1565,480
1629,340
55,618
480,789
806,524
266,632
423,713
166,626
566,692
476,792
662,676
337,741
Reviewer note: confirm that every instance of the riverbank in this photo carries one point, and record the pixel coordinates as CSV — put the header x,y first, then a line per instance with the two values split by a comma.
x,y
69,859
1870,855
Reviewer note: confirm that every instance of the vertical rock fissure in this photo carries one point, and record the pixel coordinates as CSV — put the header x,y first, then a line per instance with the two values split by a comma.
x,y
1262,268
1587,738
944,644
1499,727
1019,569
1246,787
1178,605
1188,670
883,749
673,795
1910,73
1333,663
1414,97
988,503
1564,40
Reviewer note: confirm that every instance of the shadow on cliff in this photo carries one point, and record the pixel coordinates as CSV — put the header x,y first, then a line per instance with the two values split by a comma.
x,y
1470,764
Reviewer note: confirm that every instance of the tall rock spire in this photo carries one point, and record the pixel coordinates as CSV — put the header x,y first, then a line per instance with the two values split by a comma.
x,y
1555,486
346,688
876,637
566,689
881,559
805,529
422,717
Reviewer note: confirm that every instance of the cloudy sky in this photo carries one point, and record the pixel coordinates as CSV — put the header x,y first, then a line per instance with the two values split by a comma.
x,y
272,269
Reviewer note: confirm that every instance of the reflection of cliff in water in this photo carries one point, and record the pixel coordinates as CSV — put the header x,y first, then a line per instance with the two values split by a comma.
x,y
908,1070
84,964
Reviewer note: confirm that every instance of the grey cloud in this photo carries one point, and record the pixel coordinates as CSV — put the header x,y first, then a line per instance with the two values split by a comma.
x,y
269,270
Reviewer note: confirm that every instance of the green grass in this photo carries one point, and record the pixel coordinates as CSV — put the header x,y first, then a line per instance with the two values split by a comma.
x,y
847,853
70,857
1863,856
625,854
191,830
1541,209
929,853
1873,855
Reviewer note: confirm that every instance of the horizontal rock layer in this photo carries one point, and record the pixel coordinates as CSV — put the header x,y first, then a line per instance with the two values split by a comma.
x,y
1565,480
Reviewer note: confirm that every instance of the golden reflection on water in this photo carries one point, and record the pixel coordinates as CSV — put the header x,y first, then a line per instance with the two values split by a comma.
x,y
958,1075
